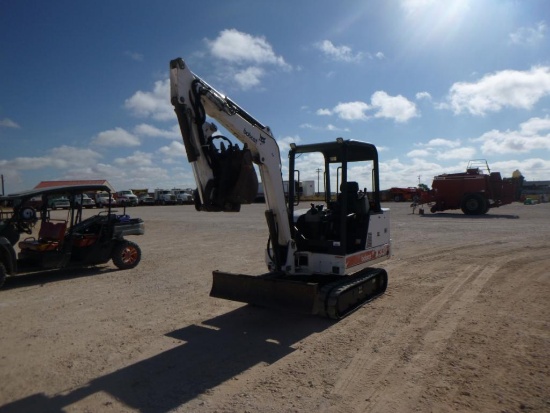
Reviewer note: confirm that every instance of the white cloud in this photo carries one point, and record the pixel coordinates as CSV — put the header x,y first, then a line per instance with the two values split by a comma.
x,y
534,169
533,134
419,153
529,35
58,158
330,127
465,153
352,110
338,53
246,57
144,129
116,137
136,159
284,144
324,112
397,107
155,104
238,47
249,77
173,150
25,163
508,88
443,149
380,55
75,156
442,142
8,123
535,125
423,95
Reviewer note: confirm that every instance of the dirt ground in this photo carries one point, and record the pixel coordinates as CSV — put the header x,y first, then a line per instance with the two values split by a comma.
x,y
464,325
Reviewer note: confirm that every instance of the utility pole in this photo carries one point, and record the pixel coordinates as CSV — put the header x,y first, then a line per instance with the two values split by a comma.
x,y
318,187
2,184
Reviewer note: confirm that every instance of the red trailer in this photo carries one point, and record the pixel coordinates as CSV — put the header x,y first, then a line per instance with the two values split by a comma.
x,y
474,191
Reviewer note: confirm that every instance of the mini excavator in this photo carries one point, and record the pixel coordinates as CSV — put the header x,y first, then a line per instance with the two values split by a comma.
x,y
320,258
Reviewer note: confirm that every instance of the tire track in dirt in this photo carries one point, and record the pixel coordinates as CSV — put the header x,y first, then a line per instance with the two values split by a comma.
x,y
433,343
371,362
369,367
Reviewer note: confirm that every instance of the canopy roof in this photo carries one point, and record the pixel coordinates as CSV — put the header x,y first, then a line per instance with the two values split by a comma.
x,y
62,189
334,151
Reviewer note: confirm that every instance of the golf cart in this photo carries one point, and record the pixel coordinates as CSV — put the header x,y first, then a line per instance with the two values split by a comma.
x,y
69,242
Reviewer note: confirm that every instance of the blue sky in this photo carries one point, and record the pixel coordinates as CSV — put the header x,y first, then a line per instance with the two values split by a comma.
x,y
433,84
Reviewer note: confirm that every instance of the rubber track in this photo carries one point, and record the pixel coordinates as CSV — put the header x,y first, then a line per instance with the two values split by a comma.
x,y
334,292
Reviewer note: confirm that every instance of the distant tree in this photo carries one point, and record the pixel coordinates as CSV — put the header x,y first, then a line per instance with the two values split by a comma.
x,y
424,187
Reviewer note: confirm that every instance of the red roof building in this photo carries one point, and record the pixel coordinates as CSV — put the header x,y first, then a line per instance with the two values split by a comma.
x,y
48,184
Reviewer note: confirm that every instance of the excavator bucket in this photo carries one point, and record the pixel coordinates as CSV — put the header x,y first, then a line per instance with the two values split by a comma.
x,y
333,297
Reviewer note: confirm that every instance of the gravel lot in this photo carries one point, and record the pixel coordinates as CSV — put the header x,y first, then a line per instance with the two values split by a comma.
x,y
464,325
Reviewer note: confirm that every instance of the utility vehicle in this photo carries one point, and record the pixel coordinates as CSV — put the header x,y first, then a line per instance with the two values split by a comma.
x,y
64,239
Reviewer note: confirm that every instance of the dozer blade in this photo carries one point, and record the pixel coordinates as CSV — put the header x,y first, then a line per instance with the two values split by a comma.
x,y
333,297
271,290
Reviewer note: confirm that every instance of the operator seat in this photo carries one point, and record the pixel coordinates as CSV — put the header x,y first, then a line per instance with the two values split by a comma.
x,y
357,216
350,191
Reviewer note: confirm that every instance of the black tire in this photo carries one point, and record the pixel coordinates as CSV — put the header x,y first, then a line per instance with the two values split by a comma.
x,y
126,255
398,198
3,274
474,204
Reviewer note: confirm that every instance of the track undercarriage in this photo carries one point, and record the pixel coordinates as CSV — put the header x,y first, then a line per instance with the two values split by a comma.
x,y
328,296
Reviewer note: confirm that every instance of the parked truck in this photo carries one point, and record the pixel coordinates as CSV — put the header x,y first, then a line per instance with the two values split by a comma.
x,y
474,191
126,198
182,196
103,199
164,197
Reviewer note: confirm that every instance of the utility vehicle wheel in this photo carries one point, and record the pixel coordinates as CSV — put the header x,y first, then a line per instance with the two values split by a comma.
x,y
2,274
126,255
474,205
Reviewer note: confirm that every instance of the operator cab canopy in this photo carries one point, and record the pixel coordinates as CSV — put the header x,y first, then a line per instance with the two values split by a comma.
x,y
352,151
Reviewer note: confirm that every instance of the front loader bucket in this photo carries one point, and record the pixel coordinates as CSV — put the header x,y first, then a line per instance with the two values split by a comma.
x,y
268,290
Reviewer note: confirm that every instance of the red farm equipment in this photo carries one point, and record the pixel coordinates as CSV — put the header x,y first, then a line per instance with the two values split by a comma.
x,y
474,191
411,194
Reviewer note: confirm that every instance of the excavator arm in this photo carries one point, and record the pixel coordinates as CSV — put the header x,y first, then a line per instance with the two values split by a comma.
x,y
224,175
